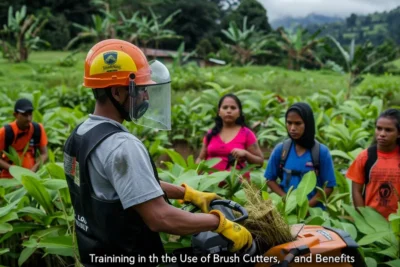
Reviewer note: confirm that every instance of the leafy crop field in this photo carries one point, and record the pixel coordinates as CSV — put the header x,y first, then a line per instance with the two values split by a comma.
x,y
36,215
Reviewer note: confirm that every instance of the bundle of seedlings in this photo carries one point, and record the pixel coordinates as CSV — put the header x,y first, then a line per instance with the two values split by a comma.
x,y
266,224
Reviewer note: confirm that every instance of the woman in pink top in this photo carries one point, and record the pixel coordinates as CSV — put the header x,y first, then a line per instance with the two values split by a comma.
x,y
230,138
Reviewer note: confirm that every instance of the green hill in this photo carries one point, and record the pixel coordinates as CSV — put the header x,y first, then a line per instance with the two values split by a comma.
x,y
376,27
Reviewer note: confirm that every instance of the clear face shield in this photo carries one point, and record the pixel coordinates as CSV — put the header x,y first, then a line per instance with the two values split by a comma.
x,y
150,104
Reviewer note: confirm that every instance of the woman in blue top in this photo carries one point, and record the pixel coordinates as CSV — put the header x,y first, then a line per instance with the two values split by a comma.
x,y
301,129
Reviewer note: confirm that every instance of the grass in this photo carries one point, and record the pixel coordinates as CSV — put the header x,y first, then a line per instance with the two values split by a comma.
x,y
43,72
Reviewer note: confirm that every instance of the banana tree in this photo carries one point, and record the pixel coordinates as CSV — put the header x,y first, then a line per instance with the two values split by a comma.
x,y
246,42
300,47
359,60
23,31
149,29
101,29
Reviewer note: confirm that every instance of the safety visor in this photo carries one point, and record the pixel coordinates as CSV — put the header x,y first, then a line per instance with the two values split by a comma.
x,y
150,104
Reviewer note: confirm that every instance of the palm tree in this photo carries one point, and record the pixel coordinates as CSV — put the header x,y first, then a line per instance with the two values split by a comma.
x,y
300,47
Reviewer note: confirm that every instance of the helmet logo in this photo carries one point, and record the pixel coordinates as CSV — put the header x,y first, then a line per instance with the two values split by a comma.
x,y
110,57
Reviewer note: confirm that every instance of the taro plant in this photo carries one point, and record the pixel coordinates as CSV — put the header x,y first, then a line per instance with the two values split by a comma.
x,y
378,238
36,215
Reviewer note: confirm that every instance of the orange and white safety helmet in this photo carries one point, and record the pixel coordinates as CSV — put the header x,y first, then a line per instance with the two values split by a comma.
x,y
115,62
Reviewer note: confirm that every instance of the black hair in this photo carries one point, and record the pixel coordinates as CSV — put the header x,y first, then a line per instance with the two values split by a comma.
x,y
393,114
218,120
100,95
304,110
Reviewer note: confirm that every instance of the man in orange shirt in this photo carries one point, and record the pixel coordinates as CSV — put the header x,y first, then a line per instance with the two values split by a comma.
x,y
25,136
381,185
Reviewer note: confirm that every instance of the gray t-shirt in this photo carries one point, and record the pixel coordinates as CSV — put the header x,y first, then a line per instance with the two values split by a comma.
x,y
120,167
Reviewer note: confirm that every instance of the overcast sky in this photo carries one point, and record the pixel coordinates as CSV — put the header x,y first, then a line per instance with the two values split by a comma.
x,y
342,8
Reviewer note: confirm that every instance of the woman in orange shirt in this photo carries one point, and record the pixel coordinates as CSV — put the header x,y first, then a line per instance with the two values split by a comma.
x,y
381,192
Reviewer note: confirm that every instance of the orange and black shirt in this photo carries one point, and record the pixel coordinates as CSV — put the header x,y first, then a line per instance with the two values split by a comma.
x,y
21,139
382,191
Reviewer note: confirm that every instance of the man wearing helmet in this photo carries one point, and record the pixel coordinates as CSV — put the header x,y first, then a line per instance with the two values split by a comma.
x,y
117,197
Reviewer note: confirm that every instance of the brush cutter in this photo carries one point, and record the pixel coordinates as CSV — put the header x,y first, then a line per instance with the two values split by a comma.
x,y
313,245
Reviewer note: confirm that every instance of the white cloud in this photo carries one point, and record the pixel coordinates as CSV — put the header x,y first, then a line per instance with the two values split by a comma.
x,y
342,8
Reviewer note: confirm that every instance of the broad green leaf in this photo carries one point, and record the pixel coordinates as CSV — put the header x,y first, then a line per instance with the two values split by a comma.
x,y
20,228
9,217
390,251
189,177
54,184
374,219
351,229
4,250
47,220
176,158
32,211
322,195
374,237
302,211
212,162
395,263
5,227
240,197
67,252
339,153
25,254
55,171
393,217
370,262
18,172
316,211
291,203
38,192
52,231
276,199
15,195
306,186
314,220
335,197
56,242
212,179
359,220
6,183
31,243
292,219
5,210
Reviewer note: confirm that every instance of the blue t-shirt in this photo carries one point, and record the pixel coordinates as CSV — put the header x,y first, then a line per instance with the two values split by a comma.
x,y
302,164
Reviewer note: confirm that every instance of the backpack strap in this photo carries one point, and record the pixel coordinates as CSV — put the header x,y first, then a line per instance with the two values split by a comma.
x,y
37,134
9,137
372,157
315,156
284,154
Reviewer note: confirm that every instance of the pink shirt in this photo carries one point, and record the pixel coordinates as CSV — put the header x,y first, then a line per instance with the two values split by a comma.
x,y
219,149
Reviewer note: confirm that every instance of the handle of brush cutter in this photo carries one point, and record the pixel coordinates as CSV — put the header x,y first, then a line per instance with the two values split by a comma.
x,y
232,205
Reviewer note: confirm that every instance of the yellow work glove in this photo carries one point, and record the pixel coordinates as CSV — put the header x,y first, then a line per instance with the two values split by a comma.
x,y
199,199
238,234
